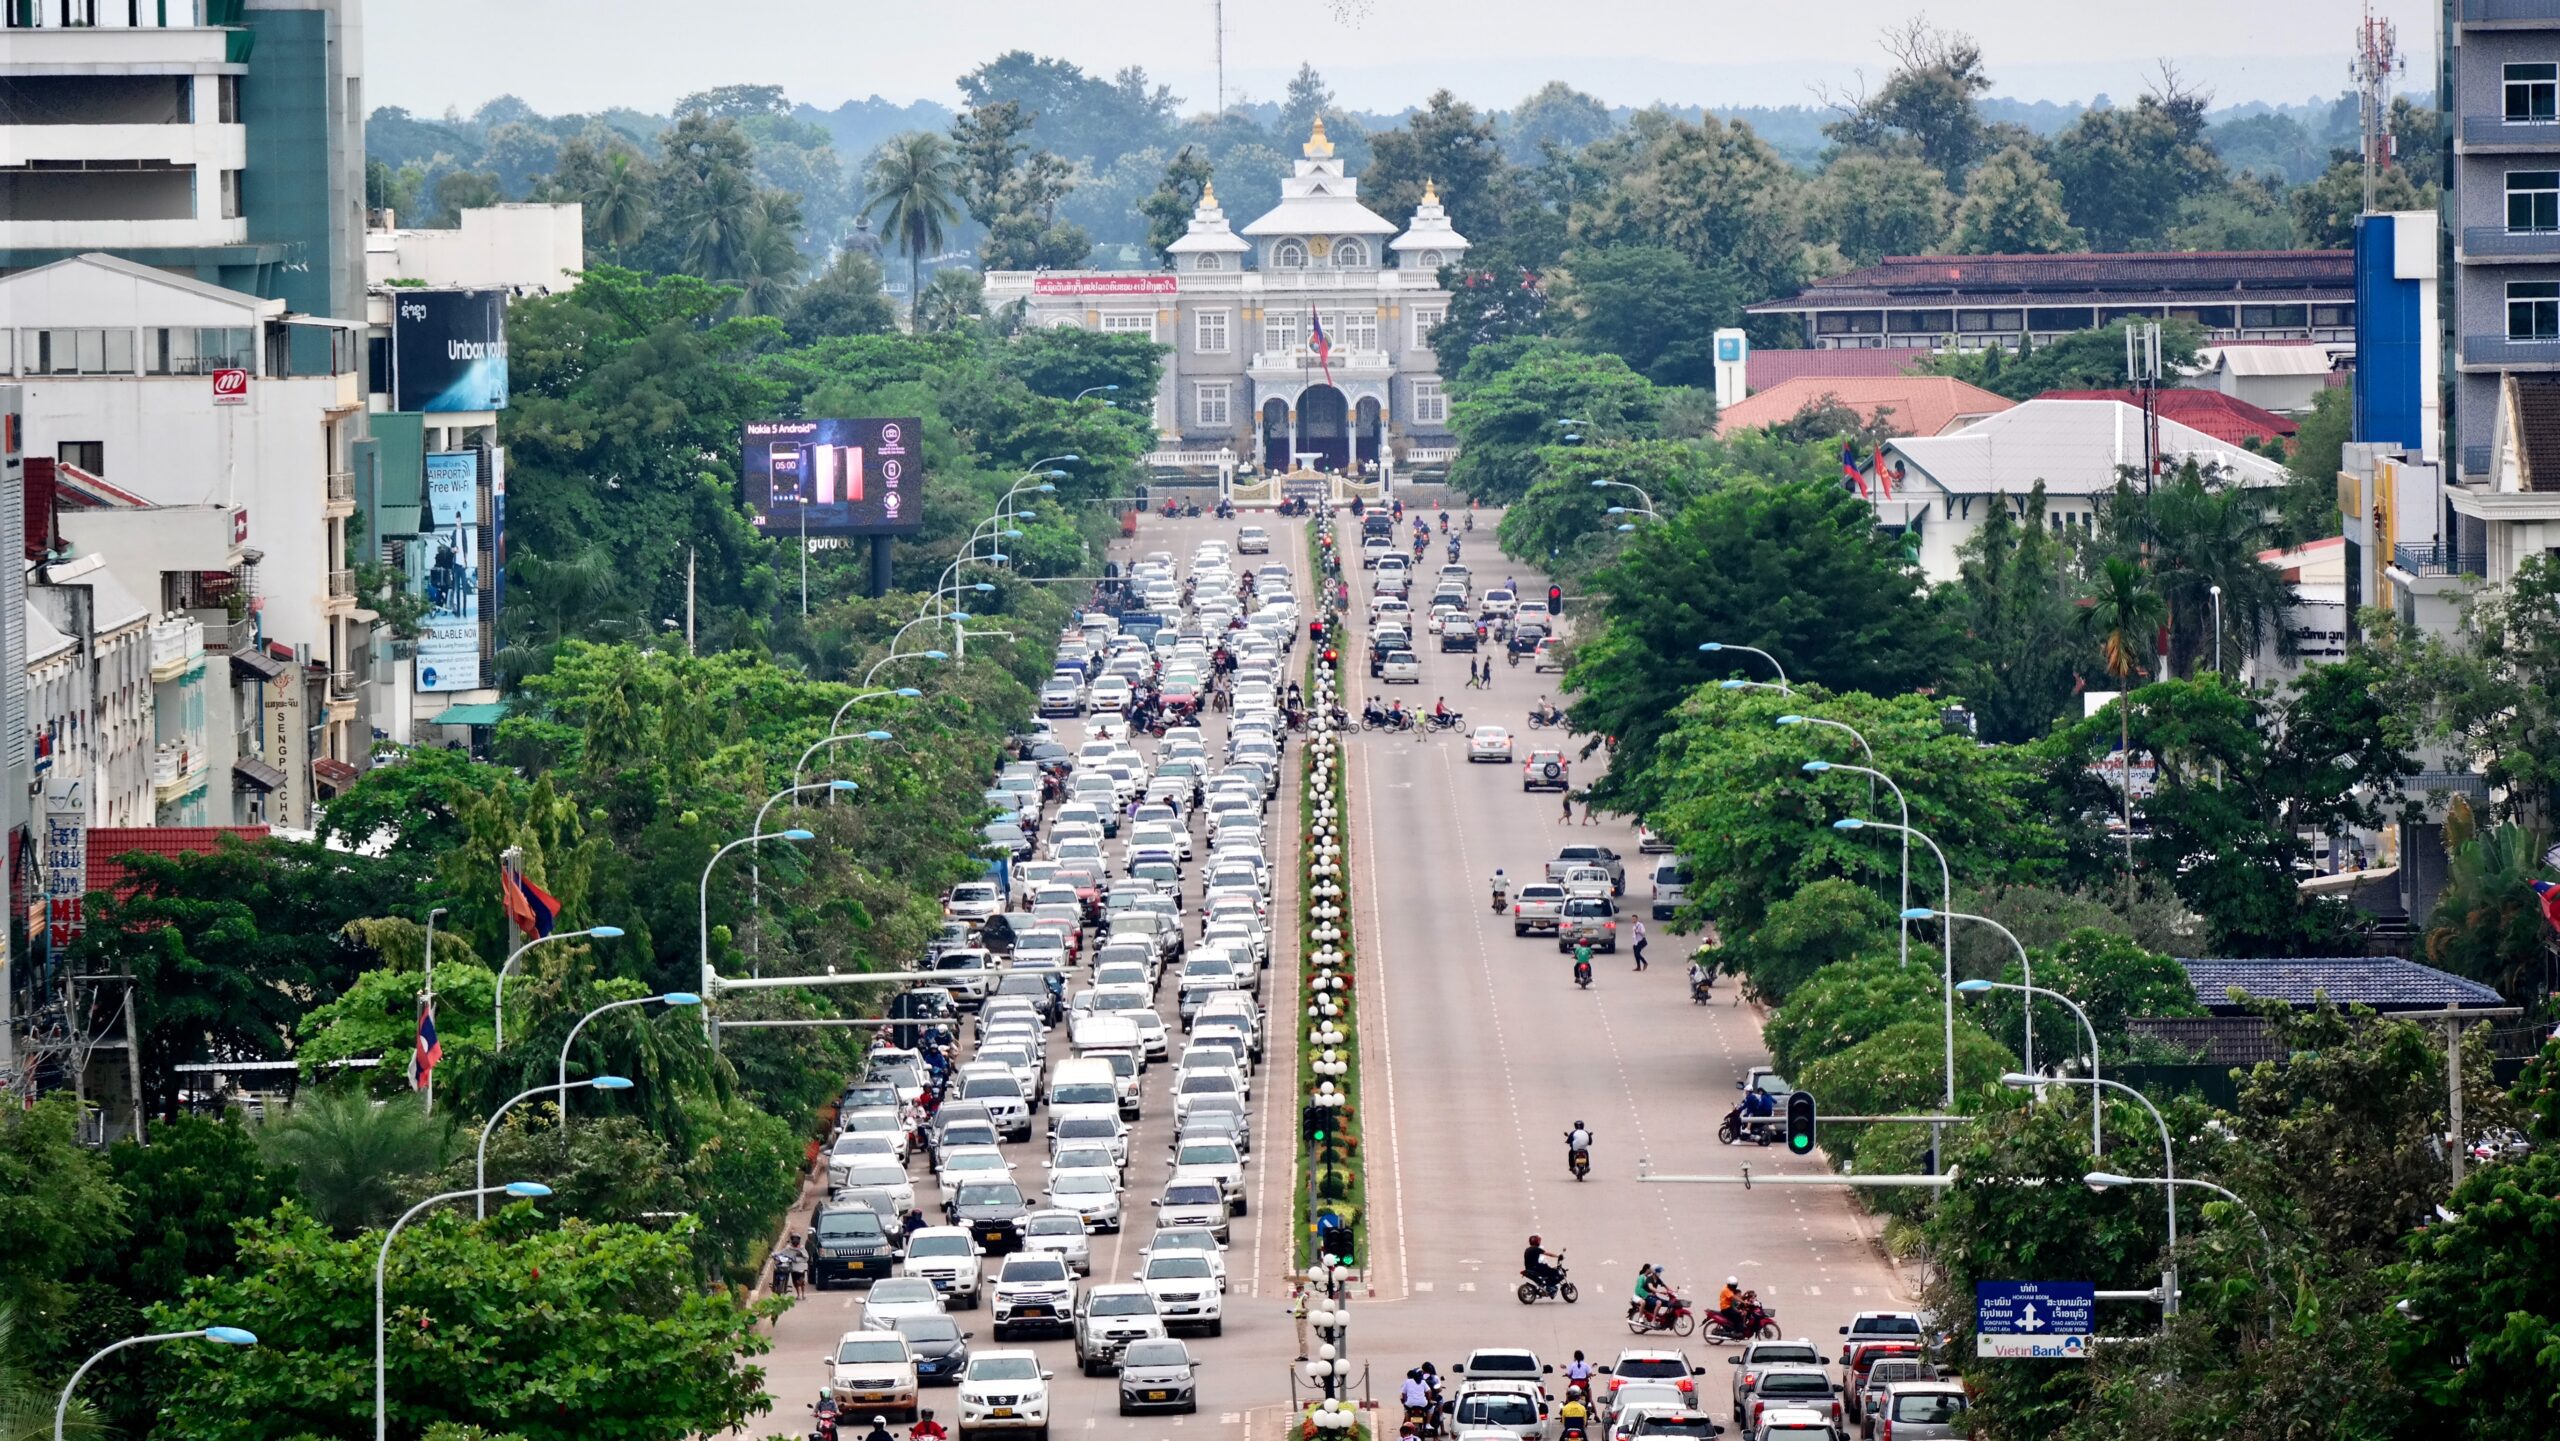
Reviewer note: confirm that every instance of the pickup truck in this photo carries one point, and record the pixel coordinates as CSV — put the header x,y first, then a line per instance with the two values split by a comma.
x,y
1536,908
1603,857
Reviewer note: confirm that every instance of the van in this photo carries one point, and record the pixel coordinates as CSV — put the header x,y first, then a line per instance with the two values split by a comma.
x,y
1670,889
1092,1031
1083,1086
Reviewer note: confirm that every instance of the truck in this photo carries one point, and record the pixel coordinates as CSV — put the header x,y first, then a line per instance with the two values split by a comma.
x,y
1536,908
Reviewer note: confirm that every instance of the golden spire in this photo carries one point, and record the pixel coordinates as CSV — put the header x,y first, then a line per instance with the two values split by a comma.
x,y
1430,192
1208,195
1317,147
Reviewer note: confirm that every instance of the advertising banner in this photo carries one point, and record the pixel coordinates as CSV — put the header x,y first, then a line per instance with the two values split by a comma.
x,y
448,350
833,477
288,749
66,857
444,567
231,386
1104,285
453,488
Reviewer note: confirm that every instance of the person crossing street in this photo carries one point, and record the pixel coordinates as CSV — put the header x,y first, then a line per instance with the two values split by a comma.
x,y
1639,946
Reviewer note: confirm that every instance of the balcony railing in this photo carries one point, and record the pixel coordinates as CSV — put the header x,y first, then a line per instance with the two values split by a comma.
x,y
176,643
2438,558
342,485
343,683
2446,783
2497,132
2494,242
2498,350
342,584
1344,358
2493,12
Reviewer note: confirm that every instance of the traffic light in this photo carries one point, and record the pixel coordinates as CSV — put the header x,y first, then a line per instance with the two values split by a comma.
x,y
1800,1123
1317,1123
1336,1240
1555,600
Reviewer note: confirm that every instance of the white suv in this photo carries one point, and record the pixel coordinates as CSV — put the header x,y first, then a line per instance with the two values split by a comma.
x,y
947,1257
1186,1289
1004,1391
1034,1291
1108,1318
873,1369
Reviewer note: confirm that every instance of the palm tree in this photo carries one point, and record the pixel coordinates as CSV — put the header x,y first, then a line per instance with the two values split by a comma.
x,y
26,1405
2207,532
771,261
720,224
2121,612
913,179
353,1156
618,202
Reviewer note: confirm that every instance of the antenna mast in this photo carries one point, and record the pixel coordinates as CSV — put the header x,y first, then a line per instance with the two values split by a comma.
x,y
1218,14
2377,60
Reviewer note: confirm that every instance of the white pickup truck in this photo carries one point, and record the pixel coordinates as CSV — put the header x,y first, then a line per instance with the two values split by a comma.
x,y
1536,908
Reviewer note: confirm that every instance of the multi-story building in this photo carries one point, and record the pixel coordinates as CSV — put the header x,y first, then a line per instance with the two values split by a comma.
x,y
111,632
1244,377
181,393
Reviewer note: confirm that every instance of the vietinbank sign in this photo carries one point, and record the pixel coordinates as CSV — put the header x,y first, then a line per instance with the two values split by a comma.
x,y
448,350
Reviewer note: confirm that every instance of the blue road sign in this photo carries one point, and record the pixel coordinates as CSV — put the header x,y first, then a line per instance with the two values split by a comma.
x,y
2034,1320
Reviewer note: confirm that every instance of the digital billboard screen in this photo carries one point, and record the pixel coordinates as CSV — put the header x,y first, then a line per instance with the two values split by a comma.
x,y
833,477
448,350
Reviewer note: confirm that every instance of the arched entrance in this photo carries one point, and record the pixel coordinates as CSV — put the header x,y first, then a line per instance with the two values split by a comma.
x,y
1366,431
1275,435
1324,427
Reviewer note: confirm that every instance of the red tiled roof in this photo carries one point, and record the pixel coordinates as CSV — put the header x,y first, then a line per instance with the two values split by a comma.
x,y
1763,369
2226,418
1921,404
107,843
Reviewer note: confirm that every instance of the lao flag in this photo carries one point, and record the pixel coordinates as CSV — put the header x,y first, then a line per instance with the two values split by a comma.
x,y
1884,477
528,905
429,1051
1317,342
1849,467
2550,893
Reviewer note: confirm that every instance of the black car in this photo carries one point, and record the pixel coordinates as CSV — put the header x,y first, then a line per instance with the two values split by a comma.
x,y
1458,636
941,1348
1524,640
848,1243
1047,990
993,1212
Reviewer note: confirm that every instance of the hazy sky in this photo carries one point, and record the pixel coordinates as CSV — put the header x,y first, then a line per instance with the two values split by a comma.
x,y
1378,54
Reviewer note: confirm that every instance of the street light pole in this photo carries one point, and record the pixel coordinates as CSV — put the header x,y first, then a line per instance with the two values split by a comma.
x,y
227,1335
755,864
1873,775
498,1007
2217,633
2097,1113
1714,646
480,1156
702,912
2104,1179
2168,1161
2026,973
561,1083
896,654
1947,889
528,1190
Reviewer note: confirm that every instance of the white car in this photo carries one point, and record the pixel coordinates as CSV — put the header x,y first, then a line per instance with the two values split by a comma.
x,y
1108,1131
1004,1391
880,1177
1489,743
1110,695
1196,1240
1500,601
1092,1195
1189,1288
973,901
947,1257
1501,1408
1214,1158
1193,1200
1061,1234
1034,1291
895,1296
873,1370
1402,665
1253,540
1062,697
1109,1318
968,1166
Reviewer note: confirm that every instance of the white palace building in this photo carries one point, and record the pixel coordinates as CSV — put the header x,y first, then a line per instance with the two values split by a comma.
x,y
1243,386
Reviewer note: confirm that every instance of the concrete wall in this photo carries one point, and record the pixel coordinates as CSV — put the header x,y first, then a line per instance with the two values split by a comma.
x,y
531,249
303,103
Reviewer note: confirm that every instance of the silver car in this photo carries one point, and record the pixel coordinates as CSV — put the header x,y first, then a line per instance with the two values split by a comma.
x,y
1923,1410
1061,1234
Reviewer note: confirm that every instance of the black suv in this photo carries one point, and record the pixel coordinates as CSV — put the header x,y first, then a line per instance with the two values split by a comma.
x,y
993,1212
848,1243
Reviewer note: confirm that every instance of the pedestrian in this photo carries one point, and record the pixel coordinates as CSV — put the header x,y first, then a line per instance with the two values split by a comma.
x,y
1298,1314
1568,808
1590,814
1639,943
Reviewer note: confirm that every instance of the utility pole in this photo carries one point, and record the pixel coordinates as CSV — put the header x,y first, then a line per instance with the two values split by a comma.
x,y
1218,18
2453,1019
688,601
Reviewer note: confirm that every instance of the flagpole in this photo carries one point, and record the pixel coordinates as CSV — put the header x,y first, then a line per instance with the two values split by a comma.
x,y
426,1003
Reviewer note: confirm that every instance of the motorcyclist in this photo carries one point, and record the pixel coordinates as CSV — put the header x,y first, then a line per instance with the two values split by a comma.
x,y
1577,1372
1702,977
1758,1104
1577,1140
1501,886
1729,1302
1643,1299
879,1430
1575,1413
1581,959
1444,522
1533,1263
1440,709
927,1429
1415,1395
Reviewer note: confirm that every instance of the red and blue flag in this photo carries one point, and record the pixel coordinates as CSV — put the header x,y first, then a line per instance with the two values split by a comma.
x,y
1322,346
528,905
429,1050
2550,893
1849,466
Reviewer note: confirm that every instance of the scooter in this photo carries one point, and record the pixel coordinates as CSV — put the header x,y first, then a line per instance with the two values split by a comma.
x,y
1546,719
1758,1130
1501,897
1760,1323
1582,974
1673,1316
1578,1161
1703,993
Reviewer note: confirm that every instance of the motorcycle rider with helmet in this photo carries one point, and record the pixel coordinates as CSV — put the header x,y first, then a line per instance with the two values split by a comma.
x,y
1577,1142
1533,1264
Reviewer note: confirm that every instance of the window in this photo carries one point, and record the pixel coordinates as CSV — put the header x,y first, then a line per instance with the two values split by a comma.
x,y
1359,330
2211,317
88,455
1289,255
1142,322
1211,401
231,195
1280,330
1849,322
227,103
2333,317
1430,260
1349,254
1430,406
1426,318
1208,260
2061,317
79,352
2274,317
1919,321
2533,93
1209,332
181,350
2533,200
2533,310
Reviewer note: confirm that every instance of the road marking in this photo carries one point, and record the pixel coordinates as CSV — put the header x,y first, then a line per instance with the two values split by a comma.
x,y
1813,1290
1422,1285
1466,1285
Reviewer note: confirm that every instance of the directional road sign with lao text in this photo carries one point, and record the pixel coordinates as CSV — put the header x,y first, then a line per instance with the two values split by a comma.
x,y
2033,1320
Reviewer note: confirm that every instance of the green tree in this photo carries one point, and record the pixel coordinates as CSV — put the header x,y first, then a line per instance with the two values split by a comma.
x,y
1554,114
2491,693
353,1161
1509,421
2013,598
547,1330
2197,530
1873,205
1447,143
1649,306
1564,515
64,1207
953,300
2310,503
378,1014
849,298
2112,978
2326,210
188,1189
1929,102
1827,923
1900,1070
2125,173
456,191
1796,569
27,1400
2013,206
1847,1001
1717,193
1169,208
2120,612
2487,923
2082,360
1062,364
1498,309
913,182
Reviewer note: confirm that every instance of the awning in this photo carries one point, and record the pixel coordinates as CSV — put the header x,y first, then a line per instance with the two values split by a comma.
x,y
257,666
477,713
2344,881
253,771
336,774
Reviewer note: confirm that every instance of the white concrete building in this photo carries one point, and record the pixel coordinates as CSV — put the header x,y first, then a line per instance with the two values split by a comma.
x,y
1239,314
2285,376
530,249
184,393
57,702
110,632
2516,506
1943,486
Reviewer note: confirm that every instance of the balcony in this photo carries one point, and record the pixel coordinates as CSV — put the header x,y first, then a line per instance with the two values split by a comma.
x,y
2437,559
2475,459
2516,13
2497,352
2496,242
1345,361
177,767
2474,788
342,585
177,644
2497,135
342,486
344,683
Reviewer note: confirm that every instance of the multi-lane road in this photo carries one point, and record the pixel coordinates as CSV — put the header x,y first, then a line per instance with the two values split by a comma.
x,y
1479,1053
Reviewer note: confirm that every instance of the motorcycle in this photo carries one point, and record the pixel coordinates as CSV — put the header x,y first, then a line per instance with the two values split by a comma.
x,y
1531,1290
1673,1316
1511,658
1191,509
1545,718
1452,721
1758,1130
1423,1420
1169,510
1226,510
1471,522
822,1425
1578,1161
1582,974
1501,898
1760,1324
1703,993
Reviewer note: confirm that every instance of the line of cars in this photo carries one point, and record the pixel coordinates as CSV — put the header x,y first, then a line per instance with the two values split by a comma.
x,y
1065,970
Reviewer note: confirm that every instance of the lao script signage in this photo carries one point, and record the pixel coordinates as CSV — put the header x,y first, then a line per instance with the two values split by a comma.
x,y
2033,1320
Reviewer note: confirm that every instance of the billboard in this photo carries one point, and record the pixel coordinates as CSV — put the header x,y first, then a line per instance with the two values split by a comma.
x,y
833,477
443,566
448,350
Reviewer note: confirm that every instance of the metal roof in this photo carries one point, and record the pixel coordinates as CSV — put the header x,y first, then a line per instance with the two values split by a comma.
x,y
2073,446
2386,983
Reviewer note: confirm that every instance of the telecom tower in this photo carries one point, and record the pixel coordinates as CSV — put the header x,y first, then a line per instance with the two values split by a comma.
x,y
2377,61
